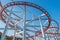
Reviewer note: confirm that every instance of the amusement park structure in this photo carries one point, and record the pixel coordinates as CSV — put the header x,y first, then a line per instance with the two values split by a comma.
x,y
27,21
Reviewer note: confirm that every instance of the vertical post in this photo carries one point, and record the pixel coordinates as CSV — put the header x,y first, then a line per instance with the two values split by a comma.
x,y
24,29
33,24
14,32
6,27
41,25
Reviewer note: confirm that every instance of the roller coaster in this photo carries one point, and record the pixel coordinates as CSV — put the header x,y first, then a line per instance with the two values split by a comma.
x,y
27,21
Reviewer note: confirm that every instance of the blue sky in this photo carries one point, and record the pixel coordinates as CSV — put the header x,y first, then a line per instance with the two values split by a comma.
x,y
51,6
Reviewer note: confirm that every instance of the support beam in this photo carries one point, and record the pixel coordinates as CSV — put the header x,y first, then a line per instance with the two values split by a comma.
x,y
24,29
41,26
5,30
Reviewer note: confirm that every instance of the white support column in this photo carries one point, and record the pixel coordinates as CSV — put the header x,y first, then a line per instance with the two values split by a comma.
x,y
41,25
6,27
24,29
15,31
